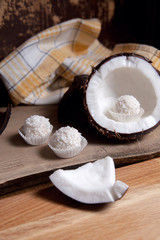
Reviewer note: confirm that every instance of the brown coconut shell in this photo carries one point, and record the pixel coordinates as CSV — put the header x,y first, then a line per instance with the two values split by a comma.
x,y
73,109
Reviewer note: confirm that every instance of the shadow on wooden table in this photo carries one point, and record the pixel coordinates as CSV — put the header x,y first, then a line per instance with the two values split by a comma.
x,y
17,141
52,194
46,153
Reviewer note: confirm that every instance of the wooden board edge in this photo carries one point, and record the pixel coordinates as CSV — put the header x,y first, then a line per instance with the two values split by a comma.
x,y
43,177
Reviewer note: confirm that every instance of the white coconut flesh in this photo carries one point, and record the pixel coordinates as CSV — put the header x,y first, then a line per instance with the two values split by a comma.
x,y
124,76
91,183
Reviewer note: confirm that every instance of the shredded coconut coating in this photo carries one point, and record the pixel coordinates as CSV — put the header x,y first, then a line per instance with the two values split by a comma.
x,y
66,137
127,104
36,126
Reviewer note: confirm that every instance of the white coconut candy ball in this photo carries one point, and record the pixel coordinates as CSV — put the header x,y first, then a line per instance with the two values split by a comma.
x,y
127,104
67,142
36,126
126,109
36,130
66,137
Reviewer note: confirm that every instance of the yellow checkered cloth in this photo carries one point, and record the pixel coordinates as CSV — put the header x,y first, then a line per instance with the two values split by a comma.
x,y
40,70
65,50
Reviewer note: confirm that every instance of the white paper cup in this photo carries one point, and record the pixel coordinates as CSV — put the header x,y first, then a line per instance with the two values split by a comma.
x,y
68,152
36,140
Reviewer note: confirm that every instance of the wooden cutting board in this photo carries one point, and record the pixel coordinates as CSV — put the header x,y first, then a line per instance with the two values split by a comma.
x,y
22,165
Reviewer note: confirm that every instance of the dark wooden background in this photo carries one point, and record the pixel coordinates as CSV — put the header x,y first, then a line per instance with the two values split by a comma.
x,y
122,21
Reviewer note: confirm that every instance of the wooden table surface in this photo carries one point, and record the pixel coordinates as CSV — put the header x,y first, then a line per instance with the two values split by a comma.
x,y
42,212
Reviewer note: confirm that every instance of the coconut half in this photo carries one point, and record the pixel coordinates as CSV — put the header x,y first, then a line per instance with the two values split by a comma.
x,y
121,75
91,183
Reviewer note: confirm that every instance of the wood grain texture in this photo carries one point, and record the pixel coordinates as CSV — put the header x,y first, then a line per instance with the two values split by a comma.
x,y
22,165
43,212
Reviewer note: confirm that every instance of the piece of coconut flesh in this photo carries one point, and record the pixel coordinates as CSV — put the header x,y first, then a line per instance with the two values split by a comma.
x,y
91,183
121,76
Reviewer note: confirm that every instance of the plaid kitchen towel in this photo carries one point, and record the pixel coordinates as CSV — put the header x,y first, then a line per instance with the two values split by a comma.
x,y
39,71
152,53
31,72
